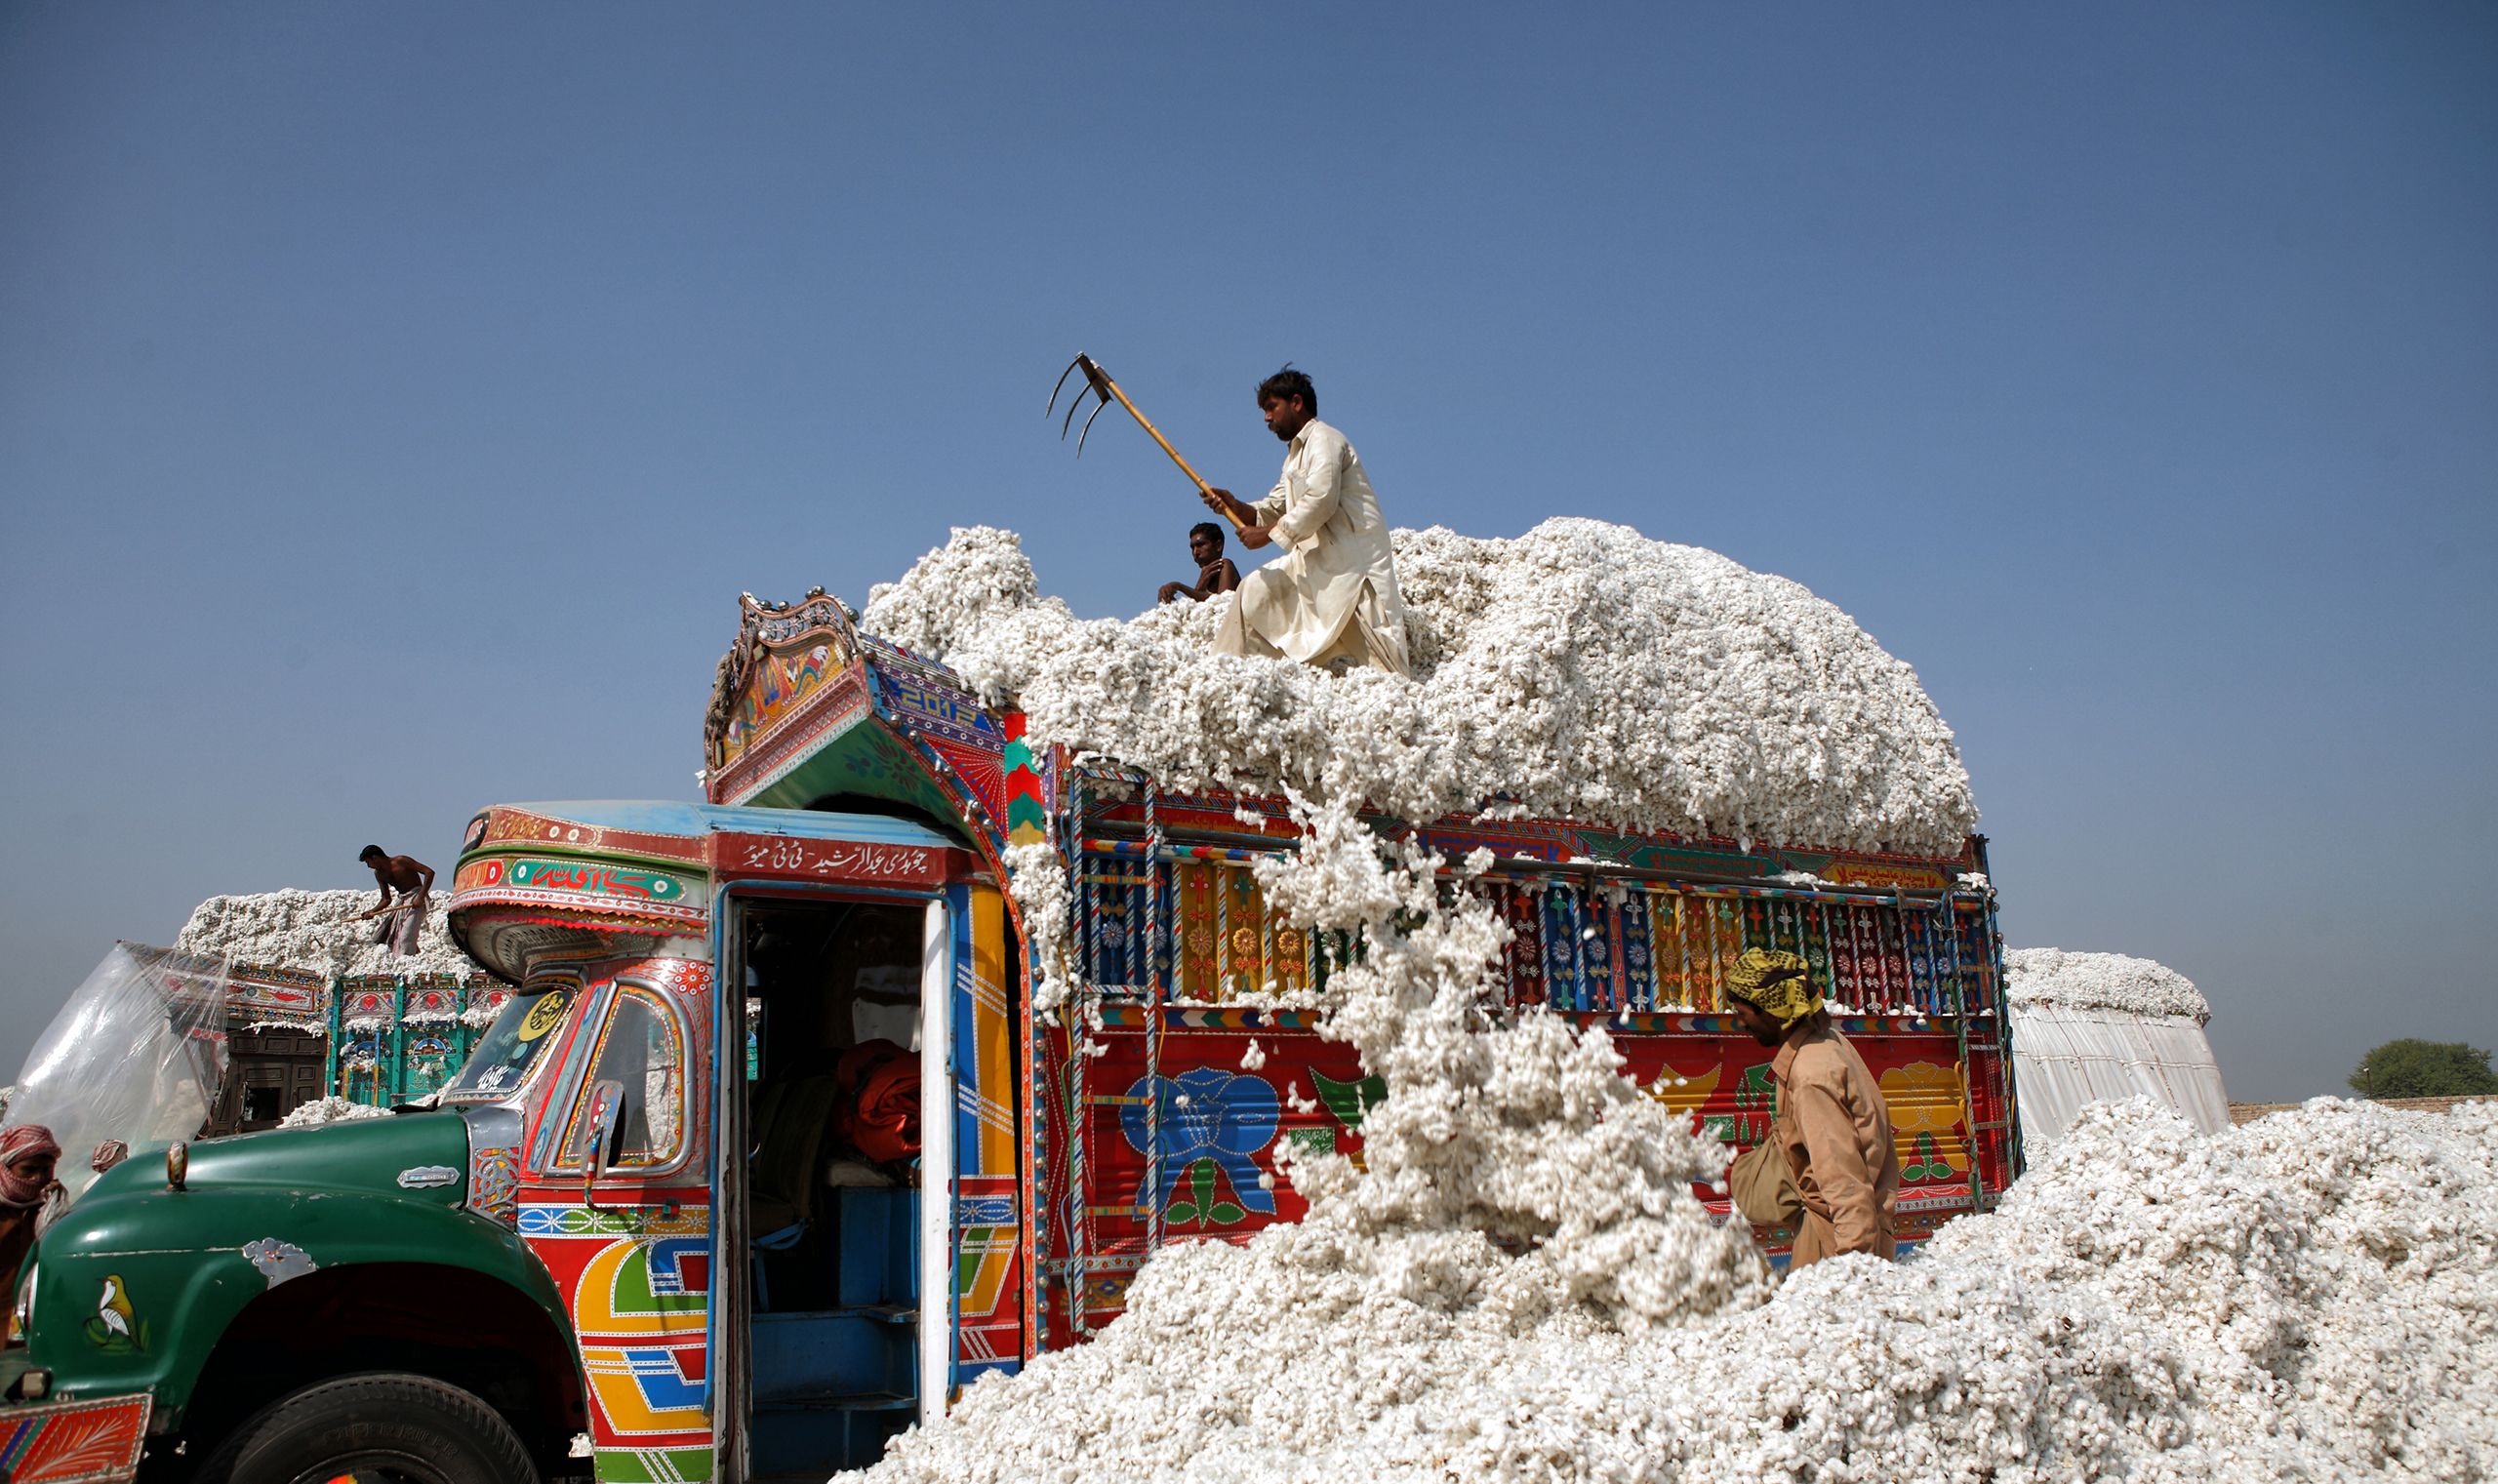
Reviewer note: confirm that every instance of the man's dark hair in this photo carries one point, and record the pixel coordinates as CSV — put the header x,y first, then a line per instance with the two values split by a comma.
x,y
1207,528
371,851
1286,384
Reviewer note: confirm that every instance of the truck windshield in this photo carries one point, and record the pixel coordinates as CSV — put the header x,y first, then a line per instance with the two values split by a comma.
x,y
503,1059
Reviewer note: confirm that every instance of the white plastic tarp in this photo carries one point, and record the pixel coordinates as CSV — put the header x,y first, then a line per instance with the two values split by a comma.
x,y
2063,1058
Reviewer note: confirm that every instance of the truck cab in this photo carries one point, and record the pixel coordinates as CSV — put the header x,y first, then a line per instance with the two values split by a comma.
x,y
675,1219
743,1032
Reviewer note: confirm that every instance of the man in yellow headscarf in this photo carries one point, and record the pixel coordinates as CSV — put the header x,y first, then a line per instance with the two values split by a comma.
x,y
1832,1125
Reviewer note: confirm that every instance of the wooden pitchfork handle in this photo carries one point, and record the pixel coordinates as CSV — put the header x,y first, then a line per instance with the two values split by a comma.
x,y
1103,385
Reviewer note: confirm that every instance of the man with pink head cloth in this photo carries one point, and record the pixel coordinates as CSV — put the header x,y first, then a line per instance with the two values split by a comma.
x,y
29,1161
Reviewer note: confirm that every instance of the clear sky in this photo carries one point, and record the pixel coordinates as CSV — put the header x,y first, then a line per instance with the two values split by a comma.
x,y
394,400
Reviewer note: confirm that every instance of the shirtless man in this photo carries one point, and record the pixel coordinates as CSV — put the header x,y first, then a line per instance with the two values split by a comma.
x,y
414,881
1330,600
1214,572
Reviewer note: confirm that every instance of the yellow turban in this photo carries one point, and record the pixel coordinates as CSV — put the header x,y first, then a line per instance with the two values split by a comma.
x,y
1776,981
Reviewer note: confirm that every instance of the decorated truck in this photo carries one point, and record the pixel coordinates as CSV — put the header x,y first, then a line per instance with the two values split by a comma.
x,y
774,1149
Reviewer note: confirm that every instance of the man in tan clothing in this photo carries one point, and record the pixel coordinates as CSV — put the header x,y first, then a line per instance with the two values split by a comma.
x,y
1330,600
1832,1123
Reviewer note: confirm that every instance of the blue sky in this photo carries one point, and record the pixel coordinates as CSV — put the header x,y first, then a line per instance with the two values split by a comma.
x,y
393,401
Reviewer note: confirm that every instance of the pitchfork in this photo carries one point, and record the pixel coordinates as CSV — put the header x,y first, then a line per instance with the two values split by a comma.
x,y
1099,384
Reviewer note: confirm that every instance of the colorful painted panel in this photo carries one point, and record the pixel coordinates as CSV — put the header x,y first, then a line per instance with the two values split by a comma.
x,y
775,687
1723,1084
979,770
1170,1137
1187,923
638,1277
506,825
912,694
433,1006
657,901
1027,790
278,999
74,1442
987,1231
1228,942
826,713
781,659
1558,840
871,761
1173,1139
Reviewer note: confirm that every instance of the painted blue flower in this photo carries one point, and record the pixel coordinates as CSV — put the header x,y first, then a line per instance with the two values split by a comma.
x,y
1207,1114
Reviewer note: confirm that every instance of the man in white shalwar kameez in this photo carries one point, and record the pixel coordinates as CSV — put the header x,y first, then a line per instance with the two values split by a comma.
x,y
1331,599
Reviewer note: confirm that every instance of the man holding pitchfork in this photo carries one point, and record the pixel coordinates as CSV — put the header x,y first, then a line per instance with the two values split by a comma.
x,y
1331,599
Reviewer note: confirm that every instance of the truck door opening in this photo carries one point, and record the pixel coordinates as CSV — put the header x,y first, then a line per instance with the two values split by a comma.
x,y
833,1150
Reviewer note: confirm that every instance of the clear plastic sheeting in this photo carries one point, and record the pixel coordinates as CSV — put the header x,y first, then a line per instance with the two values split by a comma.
x,y
2065,1057
137,1053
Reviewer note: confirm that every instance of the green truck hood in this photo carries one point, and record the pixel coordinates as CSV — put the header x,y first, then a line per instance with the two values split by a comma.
x,y
420,1157
135,1282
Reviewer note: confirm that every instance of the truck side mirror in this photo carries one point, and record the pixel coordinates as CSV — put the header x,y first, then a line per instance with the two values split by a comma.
x,y
598,1132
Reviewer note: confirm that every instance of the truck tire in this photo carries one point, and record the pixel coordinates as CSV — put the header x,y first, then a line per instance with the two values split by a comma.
x,y
386,1428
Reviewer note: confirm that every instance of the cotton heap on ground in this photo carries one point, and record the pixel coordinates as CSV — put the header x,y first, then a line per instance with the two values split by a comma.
x,y
298,929
2308,1298
1520,1284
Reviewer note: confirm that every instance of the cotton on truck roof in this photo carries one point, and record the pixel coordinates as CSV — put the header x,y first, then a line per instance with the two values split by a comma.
x,y
1579,671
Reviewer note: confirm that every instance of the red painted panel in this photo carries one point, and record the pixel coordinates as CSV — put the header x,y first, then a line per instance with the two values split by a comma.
x,y
74,1442
1219,1177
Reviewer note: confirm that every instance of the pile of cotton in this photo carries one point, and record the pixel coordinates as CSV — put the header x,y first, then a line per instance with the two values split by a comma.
x,y
1580,670
321,1110
2100,981
319,931
2312,1296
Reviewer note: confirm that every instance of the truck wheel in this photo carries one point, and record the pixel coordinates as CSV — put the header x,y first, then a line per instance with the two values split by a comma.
x,y
381,1429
